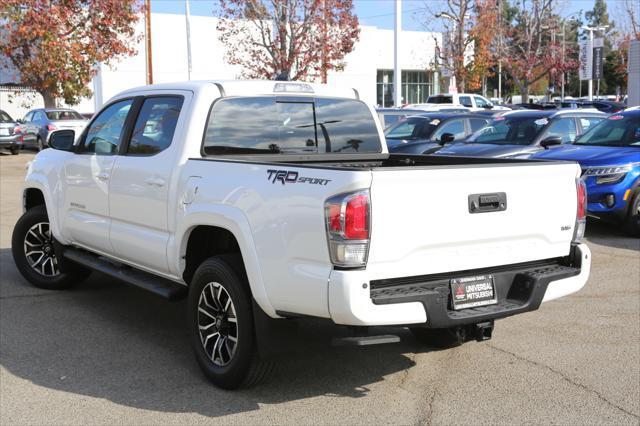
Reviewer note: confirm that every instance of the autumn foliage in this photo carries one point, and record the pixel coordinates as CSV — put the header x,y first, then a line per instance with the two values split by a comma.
x,y
56,44
303,39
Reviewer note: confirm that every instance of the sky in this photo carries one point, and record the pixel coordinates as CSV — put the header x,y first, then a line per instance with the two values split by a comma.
x,y
379,13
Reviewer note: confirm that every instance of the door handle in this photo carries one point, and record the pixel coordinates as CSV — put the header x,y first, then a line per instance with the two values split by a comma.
x,y
155,181
103,176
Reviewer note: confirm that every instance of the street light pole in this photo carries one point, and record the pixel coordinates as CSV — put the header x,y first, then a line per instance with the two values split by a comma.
x,y
397,73
564,22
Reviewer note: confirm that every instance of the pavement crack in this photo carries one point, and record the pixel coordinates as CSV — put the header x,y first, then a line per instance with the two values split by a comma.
x,y
566,378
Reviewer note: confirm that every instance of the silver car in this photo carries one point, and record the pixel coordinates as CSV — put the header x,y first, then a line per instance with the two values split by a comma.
x,y
38,124
10,134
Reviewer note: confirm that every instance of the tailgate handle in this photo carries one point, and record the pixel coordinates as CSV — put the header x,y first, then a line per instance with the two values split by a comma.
x,y
484,203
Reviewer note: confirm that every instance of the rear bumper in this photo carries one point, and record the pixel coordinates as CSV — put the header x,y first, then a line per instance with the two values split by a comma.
x,y
9,141
356,300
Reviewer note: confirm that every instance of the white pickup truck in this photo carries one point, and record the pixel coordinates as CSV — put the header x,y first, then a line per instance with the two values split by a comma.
x,y
263,202
464,100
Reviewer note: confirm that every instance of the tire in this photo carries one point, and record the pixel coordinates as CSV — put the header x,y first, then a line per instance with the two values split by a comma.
x,y
39,145
632,222
220,301
15,150
441,338
42,268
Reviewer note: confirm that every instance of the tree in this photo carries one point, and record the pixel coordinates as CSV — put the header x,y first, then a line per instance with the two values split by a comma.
x,y
599,17
303,39
56,44
530,50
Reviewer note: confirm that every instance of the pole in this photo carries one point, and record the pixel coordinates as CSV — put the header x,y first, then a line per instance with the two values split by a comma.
x,y
563,43
187,17
500,50
147,37
591,79
397,73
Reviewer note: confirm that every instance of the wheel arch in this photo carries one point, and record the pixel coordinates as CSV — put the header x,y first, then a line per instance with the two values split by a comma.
x,y
232,235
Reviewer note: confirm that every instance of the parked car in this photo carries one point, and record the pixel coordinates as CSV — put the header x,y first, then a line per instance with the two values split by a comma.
x,y
10,134
467,100
522,133
265,201
609,155
390,116
609,107
38,124
428,132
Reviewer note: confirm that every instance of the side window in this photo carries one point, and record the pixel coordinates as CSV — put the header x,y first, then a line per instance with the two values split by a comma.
x,y
455,127
38,116
589,122
155,126
563,127
466,101
346,126
477,124
105,132
480,101
28,117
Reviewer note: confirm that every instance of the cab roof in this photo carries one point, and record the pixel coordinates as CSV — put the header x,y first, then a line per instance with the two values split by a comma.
x,y
254,87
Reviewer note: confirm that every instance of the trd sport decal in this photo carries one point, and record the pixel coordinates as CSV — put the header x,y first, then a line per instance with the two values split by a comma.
x,y
287,176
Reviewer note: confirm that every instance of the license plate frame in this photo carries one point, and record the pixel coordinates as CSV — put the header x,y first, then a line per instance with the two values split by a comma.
x,y
473,291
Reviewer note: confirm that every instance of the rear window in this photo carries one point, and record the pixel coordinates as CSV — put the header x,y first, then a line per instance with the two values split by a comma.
x,y
63,115
440,99
295,125
5,118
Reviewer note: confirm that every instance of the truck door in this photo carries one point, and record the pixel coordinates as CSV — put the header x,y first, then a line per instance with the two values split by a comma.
x,y
85,208
141,183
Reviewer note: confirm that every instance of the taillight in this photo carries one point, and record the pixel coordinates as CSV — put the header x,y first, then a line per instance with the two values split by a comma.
x,y
348,221
16,130
51,127
581,213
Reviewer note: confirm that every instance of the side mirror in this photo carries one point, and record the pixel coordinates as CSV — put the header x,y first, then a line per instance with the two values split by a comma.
x,y
446,138
62,140
488,106
20,120
551,141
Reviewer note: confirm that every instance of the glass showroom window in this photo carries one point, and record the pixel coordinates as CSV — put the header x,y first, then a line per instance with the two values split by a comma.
x,y
416,87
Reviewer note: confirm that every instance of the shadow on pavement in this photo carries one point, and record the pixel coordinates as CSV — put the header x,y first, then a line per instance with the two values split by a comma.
x,y
106,340
610,235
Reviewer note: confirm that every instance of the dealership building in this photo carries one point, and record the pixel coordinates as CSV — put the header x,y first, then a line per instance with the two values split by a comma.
x,y
368,68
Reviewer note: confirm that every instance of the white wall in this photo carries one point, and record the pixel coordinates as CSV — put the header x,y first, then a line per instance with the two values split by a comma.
x,y
373,51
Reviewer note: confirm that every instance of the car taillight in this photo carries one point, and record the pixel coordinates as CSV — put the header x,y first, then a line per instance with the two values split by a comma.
x,y
581,213
16,130
51,127
348,221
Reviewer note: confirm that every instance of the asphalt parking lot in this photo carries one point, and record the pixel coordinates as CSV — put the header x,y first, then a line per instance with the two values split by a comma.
x,y
105,353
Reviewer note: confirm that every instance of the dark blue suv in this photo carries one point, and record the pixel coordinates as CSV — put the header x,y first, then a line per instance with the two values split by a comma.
x,y
609,155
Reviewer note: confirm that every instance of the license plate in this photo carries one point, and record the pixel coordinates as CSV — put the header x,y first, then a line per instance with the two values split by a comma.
x,y
471,292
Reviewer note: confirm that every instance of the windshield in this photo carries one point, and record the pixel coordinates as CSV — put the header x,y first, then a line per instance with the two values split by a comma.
x,y
412,128
440,100
64,115
510,131
617,130
5,118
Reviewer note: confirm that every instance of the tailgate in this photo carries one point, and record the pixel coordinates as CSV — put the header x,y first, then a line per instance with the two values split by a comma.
x,y
421,221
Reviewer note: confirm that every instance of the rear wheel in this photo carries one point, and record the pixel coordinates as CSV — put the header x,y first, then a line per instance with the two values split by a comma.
x,y
632,223
15,150
32,246
221,327
441,338
39,144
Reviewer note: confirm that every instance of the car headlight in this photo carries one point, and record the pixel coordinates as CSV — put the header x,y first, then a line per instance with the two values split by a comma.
x,y
606,174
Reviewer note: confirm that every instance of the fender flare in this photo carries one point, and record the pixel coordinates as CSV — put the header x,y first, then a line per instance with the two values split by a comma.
x,y
233,220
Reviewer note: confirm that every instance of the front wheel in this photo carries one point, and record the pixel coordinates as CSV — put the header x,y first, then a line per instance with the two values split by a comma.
x,y
32,246
39,144
221,327
632,223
